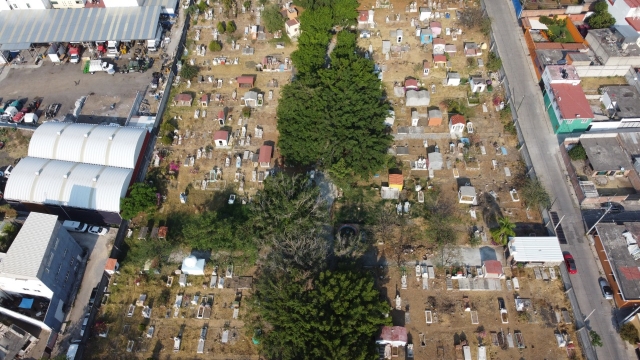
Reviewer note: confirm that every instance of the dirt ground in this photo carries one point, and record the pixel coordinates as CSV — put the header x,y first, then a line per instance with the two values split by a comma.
x,y
592,84
459,168
197,133
16,145
452,323
126,288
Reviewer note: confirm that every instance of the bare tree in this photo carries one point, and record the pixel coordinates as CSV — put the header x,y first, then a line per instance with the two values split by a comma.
x,y
306,250
386,222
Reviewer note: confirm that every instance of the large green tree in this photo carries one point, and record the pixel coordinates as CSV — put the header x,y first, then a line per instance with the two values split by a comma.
x,y
334,316
335,113
601,18
141,198
273,20
224,229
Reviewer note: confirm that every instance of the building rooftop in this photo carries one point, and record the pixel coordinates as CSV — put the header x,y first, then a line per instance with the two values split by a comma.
x,y
535,249
619,253
572,102
578,56
605,153
549,57
396,179
12,340
78,25
221,135
265,153
457,119
34,307
562,72
28,250
612,43
627,100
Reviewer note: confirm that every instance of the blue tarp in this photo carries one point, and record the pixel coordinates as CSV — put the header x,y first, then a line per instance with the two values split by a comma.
x,y
518,7
26,303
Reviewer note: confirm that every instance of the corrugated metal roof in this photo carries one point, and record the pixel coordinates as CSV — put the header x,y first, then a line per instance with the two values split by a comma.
x,y
27,251
89,144
84,24
66,183
533,248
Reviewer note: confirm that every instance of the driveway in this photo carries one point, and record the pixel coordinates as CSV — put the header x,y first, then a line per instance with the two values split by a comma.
x,y
99,248
543,148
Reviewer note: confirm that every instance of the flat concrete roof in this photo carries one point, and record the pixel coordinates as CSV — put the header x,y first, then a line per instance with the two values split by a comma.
x,y
624,266
605,152
611,41
627,99
78,25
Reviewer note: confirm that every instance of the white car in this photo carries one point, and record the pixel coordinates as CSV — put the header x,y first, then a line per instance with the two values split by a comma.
x,y
84,324
232,199
98,230
607,292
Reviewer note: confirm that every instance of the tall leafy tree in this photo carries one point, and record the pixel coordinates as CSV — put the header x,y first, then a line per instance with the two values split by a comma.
x,y
601,18
141,198
273,20
337,115
333,317
220,230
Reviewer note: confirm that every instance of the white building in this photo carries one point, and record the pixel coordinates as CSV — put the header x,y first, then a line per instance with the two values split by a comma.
x,y
535,250
38,272
467,195
122,3
292,27
626,12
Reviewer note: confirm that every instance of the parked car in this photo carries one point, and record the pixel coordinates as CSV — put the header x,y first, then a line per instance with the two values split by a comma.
x,y
571,264
607,292
615,207
84,324
98,230
74,226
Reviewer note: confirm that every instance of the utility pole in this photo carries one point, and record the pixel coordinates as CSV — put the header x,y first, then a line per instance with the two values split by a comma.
x,y
601,217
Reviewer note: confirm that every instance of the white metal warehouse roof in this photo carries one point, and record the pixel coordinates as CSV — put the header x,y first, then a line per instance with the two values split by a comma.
x,y
78,25
66,183
89,144
26,253
533,248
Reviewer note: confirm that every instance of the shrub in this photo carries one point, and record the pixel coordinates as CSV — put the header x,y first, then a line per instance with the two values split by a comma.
x,y
578,153
189,71
246,111
221,28
215,46
629,333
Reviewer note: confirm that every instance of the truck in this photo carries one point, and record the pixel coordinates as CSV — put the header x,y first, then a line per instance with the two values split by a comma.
x,y
93,66
153,44
74,54
112,48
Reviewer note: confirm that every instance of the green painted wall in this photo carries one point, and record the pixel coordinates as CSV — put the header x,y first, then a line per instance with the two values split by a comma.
x,y
564,127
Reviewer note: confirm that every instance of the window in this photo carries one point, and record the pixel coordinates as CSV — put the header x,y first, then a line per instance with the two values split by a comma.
x,y
28,6
54,3
65,253
50,259
569,122
78,2
584,121
71,262
37,290
56,244
66,277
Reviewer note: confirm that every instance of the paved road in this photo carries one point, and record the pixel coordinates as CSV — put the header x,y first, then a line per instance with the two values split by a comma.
x,y
543,148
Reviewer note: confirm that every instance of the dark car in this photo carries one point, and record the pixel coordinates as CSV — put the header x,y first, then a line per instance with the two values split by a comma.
x,y
92,298
571,264
615,207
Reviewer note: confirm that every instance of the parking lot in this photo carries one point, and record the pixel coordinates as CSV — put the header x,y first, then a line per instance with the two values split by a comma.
x,y
66,83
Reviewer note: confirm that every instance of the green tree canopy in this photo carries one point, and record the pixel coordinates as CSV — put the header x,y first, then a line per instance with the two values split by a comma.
x,y
601,18
272,19
215,46
189,71
503,231
231,27
141,198
337,114
224,229
334,316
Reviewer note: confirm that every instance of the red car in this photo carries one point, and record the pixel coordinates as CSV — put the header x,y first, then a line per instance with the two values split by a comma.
x,y
571,264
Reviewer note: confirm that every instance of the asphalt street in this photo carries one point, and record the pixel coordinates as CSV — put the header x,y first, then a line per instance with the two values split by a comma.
x,y
543,148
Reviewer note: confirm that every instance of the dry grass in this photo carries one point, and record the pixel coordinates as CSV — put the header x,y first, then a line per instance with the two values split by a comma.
x,y
592,84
